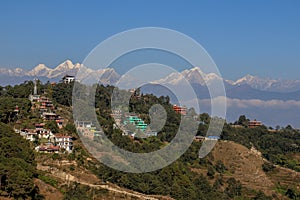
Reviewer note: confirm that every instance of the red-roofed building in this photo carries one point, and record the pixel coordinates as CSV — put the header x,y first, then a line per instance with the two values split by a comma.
x,y
48,149
39,126
180,109
254,123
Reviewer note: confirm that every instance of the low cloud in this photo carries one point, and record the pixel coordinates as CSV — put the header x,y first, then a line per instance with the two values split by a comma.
x,y
246,103
271,112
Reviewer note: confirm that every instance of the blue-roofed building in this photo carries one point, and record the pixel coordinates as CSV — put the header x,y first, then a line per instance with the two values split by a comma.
x,y
213,137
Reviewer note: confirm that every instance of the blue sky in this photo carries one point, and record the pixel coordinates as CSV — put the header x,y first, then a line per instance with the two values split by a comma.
x,y
243,37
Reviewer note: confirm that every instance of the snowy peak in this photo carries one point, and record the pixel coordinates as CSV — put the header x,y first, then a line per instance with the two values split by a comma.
x,y
197,76
110,76
256,82
248,79
174,78
39,70
267,84
244,79
40,67
194,75
67,65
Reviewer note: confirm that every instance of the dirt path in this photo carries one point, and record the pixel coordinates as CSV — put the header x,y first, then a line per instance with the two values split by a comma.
x,y
110,187
120,191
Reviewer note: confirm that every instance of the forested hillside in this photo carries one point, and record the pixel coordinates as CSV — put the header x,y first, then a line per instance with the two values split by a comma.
x,y
17,166
187,178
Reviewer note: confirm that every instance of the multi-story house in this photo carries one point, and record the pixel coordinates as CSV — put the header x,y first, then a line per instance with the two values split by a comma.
x,y
64,142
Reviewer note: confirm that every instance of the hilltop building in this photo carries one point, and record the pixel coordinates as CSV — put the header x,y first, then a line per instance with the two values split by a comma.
x,y
180,109
68,79
254,124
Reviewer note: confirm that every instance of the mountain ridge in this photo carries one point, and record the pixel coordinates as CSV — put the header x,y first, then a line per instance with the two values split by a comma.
x,y
194,75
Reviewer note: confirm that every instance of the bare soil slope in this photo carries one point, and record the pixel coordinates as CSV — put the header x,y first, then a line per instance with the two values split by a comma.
x,y
245,165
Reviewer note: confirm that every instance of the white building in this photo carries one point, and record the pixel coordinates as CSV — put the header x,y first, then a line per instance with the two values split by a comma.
x,y
68,79
34,98
45,133
64,142
29,134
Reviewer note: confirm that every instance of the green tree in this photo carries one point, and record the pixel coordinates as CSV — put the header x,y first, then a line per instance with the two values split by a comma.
x,y
261,196
17,165
210,172
70,128
234,188
52,125
205,118
220,167
242,121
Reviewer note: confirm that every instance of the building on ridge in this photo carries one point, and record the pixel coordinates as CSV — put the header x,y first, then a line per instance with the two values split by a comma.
x,y
180,109
254,124
68,79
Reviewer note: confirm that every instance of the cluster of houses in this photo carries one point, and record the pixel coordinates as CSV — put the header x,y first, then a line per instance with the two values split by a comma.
x,y
123,119
251,124
49,142
87,129
131,124
46,109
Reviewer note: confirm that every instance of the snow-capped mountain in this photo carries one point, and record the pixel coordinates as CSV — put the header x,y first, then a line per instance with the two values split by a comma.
x,y
108,76
193,76
267,84
41,71
66,67
196,76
